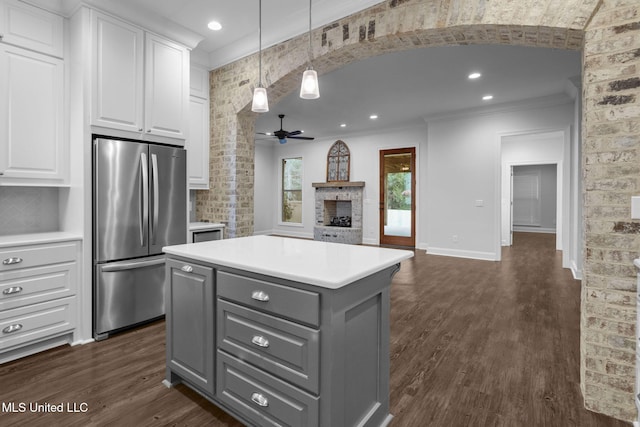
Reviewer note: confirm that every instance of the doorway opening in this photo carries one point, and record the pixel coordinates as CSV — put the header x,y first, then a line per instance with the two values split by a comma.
x,y
534,203
397,201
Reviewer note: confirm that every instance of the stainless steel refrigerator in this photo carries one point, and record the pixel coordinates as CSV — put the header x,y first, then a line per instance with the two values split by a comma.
x,y
139,206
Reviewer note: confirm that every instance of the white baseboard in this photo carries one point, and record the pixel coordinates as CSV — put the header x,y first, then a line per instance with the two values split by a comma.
x,y
484,256
577,274
82,342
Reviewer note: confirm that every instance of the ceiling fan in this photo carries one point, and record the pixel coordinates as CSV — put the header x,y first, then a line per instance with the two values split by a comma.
x,y
282,134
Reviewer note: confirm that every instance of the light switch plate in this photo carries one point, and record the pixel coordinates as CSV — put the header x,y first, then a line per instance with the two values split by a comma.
x,y
635,207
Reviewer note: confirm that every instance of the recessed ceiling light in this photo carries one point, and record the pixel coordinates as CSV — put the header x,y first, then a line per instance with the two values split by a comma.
x,y
373,116
474,75
487,97
214,25
343,125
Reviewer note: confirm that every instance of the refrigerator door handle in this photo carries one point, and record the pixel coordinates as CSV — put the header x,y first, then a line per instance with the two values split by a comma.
x,y
144,195
156,194
131,265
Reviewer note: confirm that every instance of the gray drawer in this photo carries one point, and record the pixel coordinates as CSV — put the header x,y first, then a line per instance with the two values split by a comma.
x,y
261,398
284,301
282,348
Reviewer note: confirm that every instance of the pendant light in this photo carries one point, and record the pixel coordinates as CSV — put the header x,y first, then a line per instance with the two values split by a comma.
x,y
309,88
260,101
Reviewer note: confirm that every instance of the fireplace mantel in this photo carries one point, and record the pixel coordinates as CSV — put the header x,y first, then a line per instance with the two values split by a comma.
x,y
338,184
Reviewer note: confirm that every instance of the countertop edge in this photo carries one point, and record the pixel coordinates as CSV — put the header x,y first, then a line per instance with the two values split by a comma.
x,y
314,281
38,238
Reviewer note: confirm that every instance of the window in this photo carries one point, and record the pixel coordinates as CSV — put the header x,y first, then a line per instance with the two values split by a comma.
x,y
292,190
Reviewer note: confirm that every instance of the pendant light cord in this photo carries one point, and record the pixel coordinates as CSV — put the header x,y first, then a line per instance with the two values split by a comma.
x,y
260,43
310,49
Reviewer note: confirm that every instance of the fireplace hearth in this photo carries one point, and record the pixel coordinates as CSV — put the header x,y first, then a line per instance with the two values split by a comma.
x,y
339,212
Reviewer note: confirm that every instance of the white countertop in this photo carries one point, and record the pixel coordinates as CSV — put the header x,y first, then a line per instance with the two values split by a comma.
x,y
204,225
329,265
37,238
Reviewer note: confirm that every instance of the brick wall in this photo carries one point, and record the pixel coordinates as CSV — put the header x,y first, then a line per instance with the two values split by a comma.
x,y
608,30
611,171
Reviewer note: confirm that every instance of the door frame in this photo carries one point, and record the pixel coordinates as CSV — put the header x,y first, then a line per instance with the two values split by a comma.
x,y
397,240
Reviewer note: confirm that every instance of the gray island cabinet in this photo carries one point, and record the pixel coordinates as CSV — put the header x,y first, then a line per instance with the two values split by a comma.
x,y
282,332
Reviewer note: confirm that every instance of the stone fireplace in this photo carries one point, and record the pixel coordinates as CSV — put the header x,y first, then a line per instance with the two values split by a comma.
x,y
339,212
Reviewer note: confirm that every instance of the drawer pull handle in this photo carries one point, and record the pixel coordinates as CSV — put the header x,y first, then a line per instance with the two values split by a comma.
x,y
259,400
187,268
12,260
12,290
12,328
260,296
260,341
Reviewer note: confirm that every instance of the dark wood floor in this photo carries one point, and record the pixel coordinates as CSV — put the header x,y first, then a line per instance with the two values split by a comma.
x,y
473,343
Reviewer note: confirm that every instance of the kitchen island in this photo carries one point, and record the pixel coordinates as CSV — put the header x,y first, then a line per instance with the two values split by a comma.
x,y
282,331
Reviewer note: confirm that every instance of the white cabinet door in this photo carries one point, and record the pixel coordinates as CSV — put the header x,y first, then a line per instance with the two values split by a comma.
x,y
166,87
117,78
199,82
32,148
198,144
31,27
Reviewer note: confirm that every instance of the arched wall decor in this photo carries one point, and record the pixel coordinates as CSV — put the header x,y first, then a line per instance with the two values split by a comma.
x,y
338,162
607,33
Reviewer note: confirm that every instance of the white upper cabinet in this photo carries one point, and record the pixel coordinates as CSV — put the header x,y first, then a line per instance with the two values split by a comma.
x,y
33,150
117,100
198,144
199,82
30,27
140,81
166,87
198,139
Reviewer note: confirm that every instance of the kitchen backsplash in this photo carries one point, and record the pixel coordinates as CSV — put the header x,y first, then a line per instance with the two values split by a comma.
x,y
28,210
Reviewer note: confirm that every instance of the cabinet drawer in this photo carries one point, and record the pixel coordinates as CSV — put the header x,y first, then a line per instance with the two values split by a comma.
x,y
262,398
37,321
284,301
280,347
33,285
36,255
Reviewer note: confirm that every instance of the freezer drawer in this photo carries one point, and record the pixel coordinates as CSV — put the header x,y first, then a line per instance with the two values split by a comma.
x,y
127,293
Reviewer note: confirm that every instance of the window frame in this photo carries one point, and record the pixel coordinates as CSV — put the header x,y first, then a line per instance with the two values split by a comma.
x,y
283,191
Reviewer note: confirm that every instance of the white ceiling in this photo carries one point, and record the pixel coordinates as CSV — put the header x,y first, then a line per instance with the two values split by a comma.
x,y
402,87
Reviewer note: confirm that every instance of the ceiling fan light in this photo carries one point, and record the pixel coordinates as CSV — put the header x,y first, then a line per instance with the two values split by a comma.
x,y
309,88
260,101
283,140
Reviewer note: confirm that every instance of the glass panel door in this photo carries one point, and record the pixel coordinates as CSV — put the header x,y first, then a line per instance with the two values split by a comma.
x,y
397,204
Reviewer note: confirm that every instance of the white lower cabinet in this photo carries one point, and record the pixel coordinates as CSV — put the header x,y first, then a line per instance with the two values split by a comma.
x,y
38,307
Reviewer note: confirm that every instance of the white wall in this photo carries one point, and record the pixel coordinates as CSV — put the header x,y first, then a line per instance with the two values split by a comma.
x,y
458,166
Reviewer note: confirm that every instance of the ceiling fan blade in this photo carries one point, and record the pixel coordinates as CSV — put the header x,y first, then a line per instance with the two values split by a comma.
x,y
264,133
295,132
302,137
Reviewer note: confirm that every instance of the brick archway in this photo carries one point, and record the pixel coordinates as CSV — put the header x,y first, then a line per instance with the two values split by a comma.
x,y
608,31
